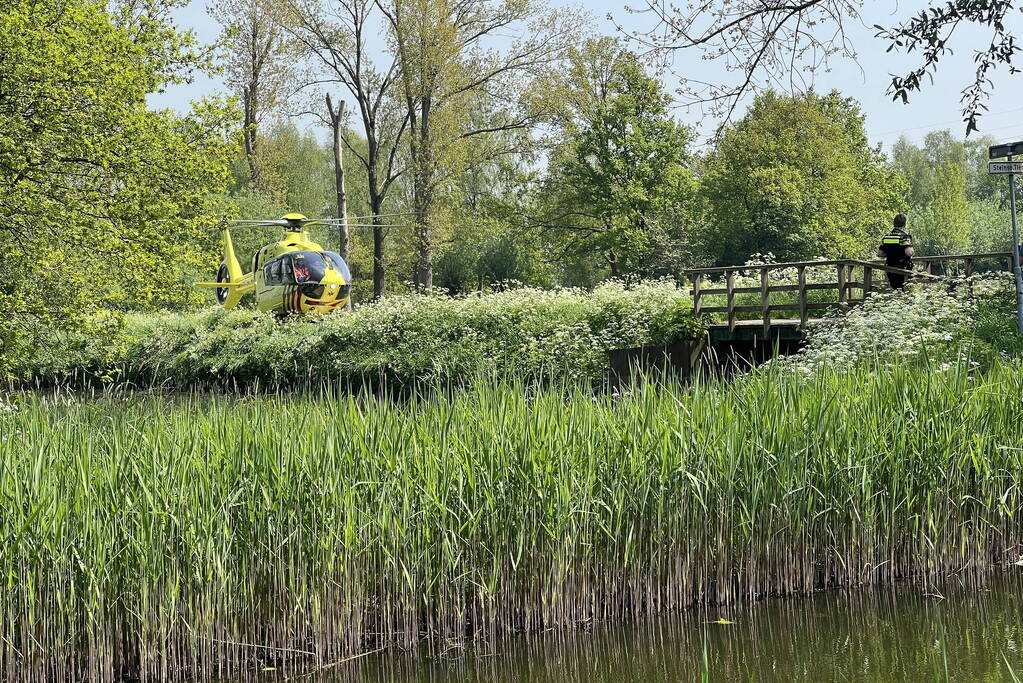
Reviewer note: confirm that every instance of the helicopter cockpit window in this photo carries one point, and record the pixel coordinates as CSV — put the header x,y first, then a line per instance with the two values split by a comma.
x,y
297,268
273,274
335,261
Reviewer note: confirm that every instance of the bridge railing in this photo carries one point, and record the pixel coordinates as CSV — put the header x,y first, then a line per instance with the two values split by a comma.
x,y
816,285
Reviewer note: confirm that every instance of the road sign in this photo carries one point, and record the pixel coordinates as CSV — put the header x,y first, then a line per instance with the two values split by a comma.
x,y
1004,167
1002,151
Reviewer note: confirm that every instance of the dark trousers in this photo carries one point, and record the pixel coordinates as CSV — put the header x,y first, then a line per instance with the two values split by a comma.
x,y
898,280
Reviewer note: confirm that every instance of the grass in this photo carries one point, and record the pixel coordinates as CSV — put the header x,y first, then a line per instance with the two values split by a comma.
x,y
161,536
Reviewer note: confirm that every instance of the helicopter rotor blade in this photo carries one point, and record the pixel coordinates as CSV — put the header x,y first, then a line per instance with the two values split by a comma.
x,y
268,224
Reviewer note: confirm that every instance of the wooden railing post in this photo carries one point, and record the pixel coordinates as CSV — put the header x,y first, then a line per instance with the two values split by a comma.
x,y
802,296
697,296
765,301
730,286
841,283
868,281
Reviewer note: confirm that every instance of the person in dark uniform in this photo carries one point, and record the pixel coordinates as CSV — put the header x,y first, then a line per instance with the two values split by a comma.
x,y
897,250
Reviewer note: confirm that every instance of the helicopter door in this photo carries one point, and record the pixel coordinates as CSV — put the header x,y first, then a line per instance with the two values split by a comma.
x,y
273,273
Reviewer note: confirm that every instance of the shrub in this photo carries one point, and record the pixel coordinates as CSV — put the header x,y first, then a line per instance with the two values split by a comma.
x,y
925,320
536,333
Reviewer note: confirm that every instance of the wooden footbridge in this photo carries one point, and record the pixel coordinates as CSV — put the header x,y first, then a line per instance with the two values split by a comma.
x,y
748,303
759,310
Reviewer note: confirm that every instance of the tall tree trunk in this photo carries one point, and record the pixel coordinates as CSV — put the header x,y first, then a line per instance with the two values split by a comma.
x,y
422,191
378,256
336,122
376,207
249,137
424,237
612,260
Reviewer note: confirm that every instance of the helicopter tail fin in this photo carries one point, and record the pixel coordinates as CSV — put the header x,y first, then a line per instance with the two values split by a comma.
x,y
234,274
234,269
231,282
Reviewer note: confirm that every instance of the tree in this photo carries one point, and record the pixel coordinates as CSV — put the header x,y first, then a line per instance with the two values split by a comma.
x,y
770,42
950,189
920,165
487,244
337,35
336,114
259,62
622,168
796,177
105,203
456,85
947,227
982,185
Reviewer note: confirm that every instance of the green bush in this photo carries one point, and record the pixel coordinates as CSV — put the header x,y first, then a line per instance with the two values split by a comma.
x,y
535,333
994,325
973,321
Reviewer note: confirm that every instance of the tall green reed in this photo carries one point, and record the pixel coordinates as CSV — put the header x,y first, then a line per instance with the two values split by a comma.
x,y
161,536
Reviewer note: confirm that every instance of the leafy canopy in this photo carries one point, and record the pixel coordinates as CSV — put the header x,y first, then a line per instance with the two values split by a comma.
x,y
797,177
620,179
105,202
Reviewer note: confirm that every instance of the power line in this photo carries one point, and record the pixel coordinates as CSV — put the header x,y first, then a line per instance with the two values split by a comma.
x,y
935,126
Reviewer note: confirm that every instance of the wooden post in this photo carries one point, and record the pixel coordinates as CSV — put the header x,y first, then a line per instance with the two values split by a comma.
x,y
969,266
696,293
868,281
730,285
841,283
765,302
802,296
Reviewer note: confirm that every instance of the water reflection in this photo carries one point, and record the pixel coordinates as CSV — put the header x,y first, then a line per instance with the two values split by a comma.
x,y
970,635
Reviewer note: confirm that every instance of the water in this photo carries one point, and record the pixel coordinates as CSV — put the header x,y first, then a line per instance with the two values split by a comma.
x,y
971,635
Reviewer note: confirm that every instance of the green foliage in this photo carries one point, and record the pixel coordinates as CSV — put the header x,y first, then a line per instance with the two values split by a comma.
x,y
618,186
329,523
485,252
956,206
674,324
972,322
295,175
562,333
990,227
994,324
796,177
946,227
106,204
484,242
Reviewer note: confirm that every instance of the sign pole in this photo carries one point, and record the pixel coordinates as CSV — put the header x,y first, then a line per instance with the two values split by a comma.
x,y
1017,273
1011,168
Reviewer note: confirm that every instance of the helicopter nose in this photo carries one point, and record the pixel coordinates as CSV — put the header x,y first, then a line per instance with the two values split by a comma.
x,y
335,289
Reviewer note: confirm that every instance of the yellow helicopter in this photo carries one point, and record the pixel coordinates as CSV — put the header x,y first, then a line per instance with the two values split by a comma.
x,y
294,275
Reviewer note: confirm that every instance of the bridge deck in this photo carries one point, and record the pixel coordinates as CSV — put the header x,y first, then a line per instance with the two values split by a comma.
x,y
753,330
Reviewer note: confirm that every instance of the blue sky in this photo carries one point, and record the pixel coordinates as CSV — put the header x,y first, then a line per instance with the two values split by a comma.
x,y
935,108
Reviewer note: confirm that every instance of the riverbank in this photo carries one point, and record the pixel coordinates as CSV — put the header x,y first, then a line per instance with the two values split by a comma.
x,y
952,633
154,535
